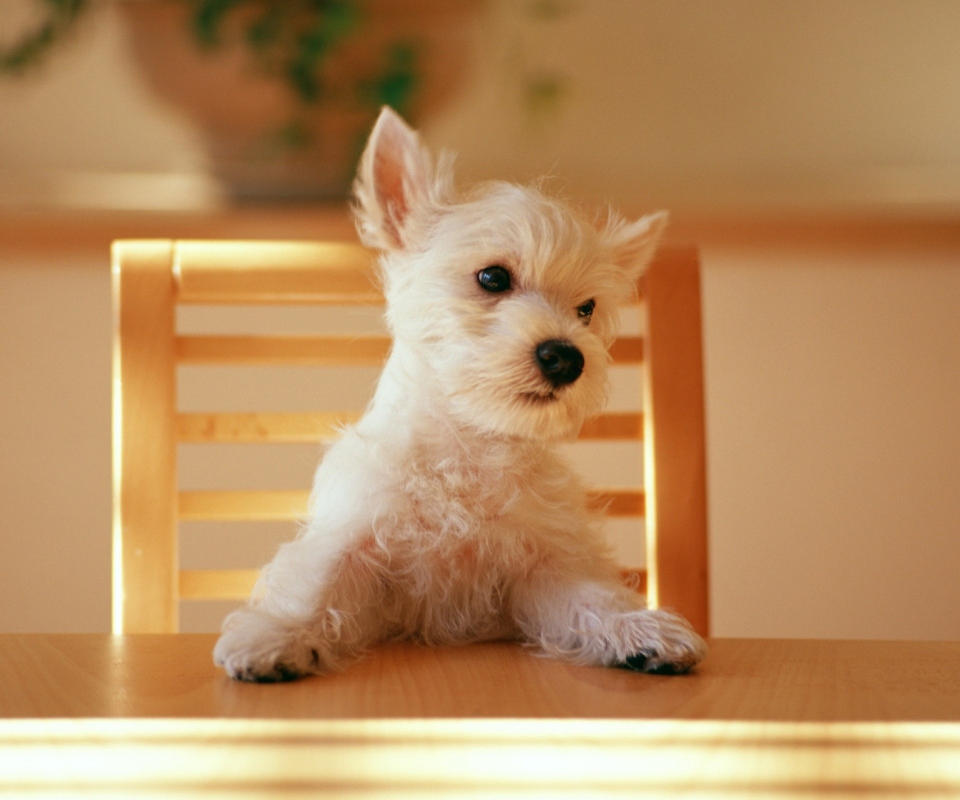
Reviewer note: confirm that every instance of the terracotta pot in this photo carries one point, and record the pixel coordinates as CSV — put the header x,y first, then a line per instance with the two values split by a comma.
x,y
242,110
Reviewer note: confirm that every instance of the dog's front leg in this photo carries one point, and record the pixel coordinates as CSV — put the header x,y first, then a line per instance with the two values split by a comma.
x,y
593,620
305,616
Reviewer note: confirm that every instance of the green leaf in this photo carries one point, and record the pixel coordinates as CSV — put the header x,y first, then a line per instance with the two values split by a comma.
x,y
333,22
303,77
398,84
295,135
208,20
265,30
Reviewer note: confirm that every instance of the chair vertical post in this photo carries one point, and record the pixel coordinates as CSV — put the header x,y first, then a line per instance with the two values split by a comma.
x,y
145,559
674,440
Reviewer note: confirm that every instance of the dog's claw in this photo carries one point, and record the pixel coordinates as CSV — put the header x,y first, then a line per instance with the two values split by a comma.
x,y
636,662
641,662
281,674
672,647
258,648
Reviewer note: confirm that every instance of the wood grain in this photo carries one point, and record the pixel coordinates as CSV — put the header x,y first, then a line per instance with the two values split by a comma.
x,y
316,427
144,440
675,441
216,584
469,758
273,272
88,232
236,584
283,350
251,504
627,350
617,502
285,428
323,350
613,426
146,716
94,675
244,272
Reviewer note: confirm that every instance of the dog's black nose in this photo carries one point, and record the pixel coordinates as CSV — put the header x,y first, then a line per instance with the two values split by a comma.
x,y
559,361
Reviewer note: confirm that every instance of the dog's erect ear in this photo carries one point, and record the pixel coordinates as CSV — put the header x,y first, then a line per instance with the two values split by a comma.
x,y
395,184
634,243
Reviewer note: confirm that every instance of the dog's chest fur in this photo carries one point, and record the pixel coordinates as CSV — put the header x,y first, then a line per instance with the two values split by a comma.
x,y
468,521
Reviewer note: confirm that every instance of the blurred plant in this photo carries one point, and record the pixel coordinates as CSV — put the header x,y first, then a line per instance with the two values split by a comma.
x,y
544,91
291,39
62,15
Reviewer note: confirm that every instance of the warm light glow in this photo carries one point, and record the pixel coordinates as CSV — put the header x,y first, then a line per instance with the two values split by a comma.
x,y
649,482
133,191
116,609
647,758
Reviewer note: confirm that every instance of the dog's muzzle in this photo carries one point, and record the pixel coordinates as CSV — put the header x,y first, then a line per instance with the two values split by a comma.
x,y
559,361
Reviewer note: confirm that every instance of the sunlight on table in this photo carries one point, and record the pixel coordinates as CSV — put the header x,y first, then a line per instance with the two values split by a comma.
x,y
408,757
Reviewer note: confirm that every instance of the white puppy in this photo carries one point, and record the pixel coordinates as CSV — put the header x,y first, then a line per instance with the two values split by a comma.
x,y
444,515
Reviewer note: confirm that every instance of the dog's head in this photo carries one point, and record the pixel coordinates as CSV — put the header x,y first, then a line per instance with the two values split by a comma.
x,y
503,302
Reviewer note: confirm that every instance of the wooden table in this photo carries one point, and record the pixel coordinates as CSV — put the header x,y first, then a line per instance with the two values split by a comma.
x,y
118,716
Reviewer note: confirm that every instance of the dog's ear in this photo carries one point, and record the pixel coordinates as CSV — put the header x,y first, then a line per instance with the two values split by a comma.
x,y
633,244
395,184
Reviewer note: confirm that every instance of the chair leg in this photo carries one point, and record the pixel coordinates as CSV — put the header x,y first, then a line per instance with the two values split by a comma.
x,y
674,441
144,440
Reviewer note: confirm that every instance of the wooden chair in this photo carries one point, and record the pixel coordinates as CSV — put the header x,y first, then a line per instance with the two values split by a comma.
x,y
150,278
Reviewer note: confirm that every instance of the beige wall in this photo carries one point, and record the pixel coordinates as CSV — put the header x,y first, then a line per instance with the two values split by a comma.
x,y
834,442
697,103
55,435
833,373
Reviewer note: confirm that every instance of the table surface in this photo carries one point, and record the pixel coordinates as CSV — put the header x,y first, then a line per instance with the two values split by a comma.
x,y
79,675
95,715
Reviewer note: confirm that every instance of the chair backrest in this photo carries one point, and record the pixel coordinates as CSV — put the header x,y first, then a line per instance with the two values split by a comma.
x,y
151,277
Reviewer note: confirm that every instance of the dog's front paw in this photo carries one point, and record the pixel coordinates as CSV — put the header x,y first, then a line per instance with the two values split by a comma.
x,y
669,645
259,647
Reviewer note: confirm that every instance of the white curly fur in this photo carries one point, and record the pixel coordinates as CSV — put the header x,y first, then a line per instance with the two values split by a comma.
x,y
444,515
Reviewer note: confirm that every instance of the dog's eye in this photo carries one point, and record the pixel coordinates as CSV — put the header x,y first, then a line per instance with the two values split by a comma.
x,y
494,279
586,311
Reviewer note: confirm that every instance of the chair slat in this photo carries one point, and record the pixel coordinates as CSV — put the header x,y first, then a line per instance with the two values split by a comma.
x,y
250,272
313,428
246,272
260,505
618,502
324,350
144,450
627,350
250,505
635,578
308,428
236,584
614,426
283,350
675,441
258,272
216,584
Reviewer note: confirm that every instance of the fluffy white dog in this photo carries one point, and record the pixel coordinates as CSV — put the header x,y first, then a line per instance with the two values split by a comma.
x,y
444,515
